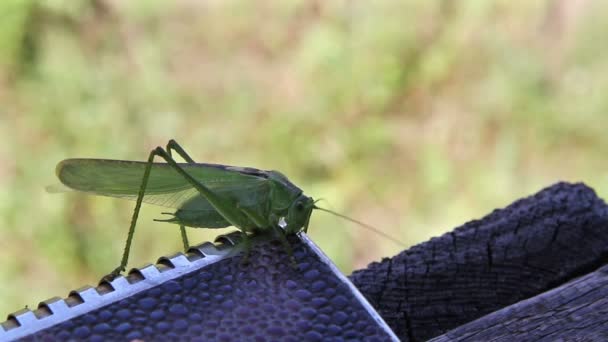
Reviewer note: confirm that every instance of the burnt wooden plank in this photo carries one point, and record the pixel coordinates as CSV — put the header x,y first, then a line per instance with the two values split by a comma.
x,y
575,311
527,248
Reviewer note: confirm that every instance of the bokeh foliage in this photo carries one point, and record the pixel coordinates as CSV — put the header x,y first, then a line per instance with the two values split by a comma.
x,y
415,116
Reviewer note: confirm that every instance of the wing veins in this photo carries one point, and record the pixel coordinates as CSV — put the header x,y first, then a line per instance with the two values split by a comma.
x,y
121,179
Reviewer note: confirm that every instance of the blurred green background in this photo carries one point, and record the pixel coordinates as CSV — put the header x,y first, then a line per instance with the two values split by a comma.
x,y
414,116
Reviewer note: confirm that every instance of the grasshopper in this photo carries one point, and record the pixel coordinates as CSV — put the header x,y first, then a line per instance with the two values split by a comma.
x,y
204,195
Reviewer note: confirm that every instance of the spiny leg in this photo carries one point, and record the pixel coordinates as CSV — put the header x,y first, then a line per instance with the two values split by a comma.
x,y
173,145
140,197
223,205
229,209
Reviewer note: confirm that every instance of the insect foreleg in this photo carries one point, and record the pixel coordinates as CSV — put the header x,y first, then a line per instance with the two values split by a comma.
x,y
173,145
263,224
280,233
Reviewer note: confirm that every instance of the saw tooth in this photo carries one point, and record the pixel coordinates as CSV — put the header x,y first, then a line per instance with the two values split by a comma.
x,y
119,282
174,261
209,249
24,317
84,294
87,298
149,272
54,306
229,239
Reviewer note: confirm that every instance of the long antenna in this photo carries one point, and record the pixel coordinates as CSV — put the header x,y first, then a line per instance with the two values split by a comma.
x,y
364,225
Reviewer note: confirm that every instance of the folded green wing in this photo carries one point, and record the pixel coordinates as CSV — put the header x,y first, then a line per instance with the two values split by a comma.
x,y
122,179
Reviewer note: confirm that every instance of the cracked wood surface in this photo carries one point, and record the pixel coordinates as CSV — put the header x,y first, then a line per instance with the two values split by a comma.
x,y
531,246
575,311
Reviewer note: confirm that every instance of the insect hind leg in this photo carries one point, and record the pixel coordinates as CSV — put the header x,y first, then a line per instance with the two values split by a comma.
x,y
173,145
223,205
140,196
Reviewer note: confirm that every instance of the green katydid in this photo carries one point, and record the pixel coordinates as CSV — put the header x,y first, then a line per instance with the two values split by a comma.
x,y
205,195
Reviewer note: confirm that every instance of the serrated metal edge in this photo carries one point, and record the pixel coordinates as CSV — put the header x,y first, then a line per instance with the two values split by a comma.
x,y
55,310
232,238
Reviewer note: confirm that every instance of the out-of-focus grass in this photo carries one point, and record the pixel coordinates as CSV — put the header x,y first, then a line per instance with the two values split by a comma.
x,y
414,116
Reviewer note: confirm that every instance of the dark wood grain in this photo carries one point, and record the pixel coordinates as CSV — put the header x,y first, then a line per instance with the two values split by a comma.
x,y
575,311
531,246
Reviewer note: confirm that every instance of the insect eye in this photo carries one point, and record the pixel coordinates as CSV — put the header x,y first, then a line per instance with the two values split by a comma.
x,y
299,206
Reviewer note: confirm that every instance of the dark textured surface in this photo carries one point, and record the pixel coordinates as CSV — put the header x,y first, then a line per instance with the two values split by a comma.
x,y
525,249
266,300
522,251
576,311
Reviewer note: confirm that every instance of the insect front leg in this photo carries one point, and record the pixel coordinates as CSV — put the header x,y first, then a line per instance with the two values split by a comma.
x,y
173,145
280,233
